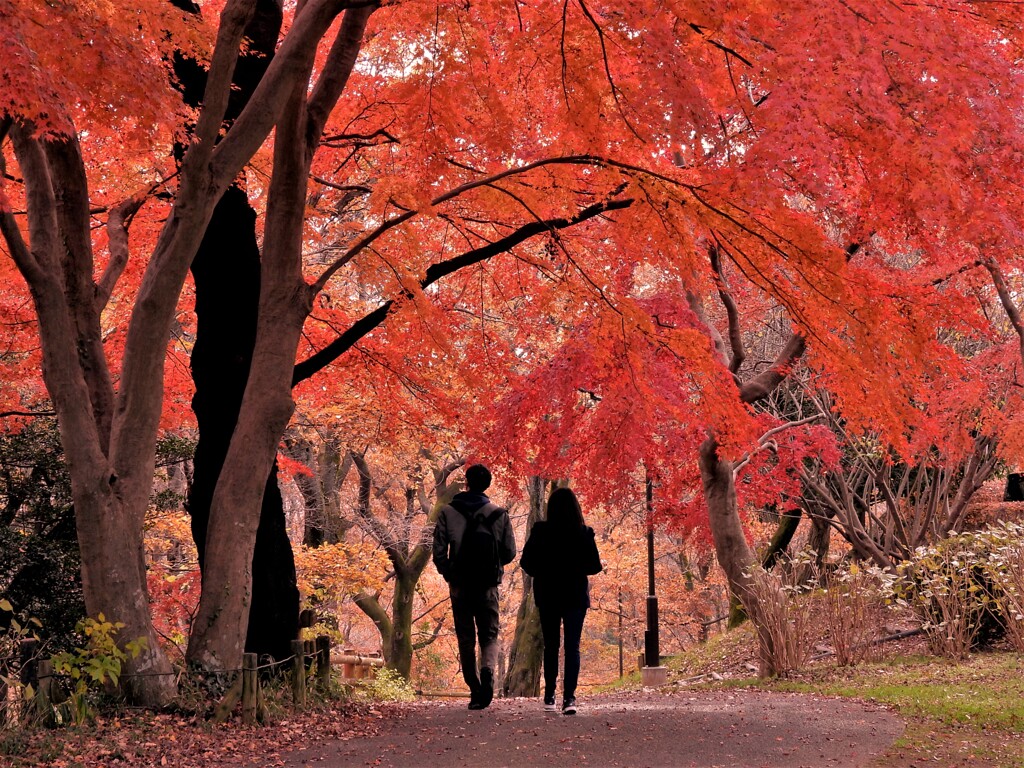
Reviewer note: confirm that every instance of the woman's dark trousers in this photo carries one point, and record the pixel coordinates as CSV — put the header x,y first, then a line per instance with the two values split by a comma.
x,y
552,620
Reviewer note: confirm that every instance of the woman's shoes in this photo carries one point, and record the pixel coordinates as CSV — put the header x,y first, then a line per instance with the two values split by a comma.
x,y
569,706
549,703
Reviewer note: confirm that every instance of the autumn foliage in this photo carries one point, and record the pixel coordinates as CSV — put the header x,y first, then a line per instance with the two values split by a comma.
x,y
583,241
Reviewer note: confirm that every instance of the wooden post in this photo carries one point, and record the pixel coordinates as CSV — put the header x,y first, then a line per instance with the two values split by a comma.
x,y
29,674
227,704
323,662
309,650
348,670
298,674
3,702
250,681
43,700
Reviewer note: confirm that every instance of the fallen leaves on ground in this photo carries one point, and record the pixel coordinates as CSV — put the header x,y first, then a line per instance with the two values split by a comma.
x,y
145,739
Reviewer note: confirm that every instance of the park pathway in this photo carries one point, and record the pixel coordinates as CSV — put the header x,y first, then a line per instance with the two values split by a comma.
x,y
634,730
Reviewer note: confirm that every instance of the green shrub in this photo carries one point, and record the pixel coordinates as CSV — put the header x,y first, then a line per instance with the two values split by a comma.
x,y
388,685
94,667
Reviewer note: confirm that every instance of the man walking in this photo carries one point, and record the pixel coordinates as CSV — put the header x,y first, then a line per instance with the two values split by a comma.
x,y
473,541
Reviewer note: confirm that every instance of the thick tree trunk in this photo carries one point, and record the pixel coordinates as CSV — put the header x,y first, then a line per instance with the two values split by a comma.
x,y
399,651
734,555
217,637
110,496
284,303
114,584
784,532
228,264
526,656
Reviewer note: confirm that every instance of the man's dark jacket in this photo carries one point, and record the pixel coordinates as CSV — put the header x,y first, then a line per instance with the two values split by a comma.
x,y
451,527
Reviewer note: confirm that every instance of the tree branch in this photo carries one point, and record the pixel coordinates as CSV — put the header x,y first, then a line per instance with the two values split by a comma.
x,y
435,272
1012,313
451,195
335,74
765,383
118,219
731,310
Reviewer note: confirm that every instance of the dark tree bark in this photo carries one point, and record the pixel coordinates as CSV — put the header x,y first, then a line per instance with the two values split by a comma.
x,y
226,272
227,264
777,547
526,655
1014,490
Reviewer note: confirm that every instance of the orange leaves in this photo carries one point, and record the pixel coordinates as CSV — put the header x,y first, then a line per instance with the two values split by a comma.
x,y
94,62
332,572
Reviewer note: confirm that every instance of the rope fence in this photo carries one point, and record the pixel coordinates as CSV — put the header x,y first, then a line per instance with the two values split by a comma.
x,y
309,659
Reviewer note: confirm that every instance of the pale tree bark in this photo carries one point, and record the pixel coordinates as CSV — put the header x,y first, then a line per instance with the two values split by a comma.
x,y
217,640
110,437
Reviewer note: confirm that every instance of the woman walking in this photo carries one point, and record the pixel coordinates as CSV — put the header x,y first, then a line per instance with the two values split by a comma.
x,y
559,554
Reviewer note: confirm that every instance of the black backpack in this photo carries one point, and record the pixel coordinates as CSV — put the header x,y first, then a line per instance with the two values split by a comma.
x,y
478,562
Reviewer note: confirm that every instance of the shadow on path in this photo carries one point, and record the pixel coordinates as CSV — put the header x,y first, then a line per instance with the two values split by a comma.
x,y
634,730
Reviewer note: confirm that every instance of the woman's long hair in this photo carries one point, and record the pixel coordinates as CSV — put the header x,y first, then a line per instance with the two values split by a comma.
x,y
564,511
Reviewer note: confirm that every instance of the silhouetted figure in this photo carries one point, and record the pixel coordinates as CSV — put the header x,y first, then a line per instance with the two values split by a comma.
x,y
559,554
473,541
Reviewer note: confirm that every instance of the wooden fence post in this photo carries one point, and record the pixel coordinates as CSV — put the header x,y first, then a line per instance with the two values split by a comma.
x,y
4,693
29,674
323,662
298,674
43,700
249,688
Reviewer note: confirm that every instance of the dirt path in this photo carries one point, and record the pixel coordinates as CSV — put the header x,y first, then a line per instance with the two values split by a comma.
x,y
635,730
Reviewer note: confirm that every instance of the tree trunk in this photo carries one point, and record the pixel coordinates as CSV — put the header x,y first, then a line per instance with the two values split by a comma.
x,y
110,495
526,656
784,531
285,301
399,652
228,263
734,555
114,584
323,522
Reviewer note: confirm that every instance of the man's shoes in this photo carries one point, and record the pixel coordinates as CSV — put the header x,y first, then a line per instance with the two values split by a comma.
x,y
486,688
549,703
569,706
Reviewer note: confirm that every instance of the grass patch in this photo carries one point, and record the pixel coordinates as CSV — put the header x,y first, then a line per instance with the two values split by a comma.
x,y
986,690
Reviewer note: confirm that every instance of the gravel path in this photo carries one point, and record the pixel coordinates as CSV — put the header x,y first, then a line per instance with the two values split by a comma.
x,y
633,730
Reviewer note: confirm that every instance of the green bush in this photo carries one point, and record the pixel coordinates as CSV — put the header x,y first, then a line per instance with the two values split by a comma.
x,y
388,685
94,667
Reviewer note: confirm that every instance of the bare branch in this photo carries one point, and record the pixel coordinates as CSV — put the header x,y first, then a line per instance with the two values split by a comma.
x,y
435,272
335,74
117,233
1012,313
766,440
731,310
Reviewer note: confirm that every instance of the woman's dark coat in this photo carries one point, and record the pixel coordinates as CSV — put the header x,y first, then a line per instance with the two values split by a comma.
x,y
559,561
